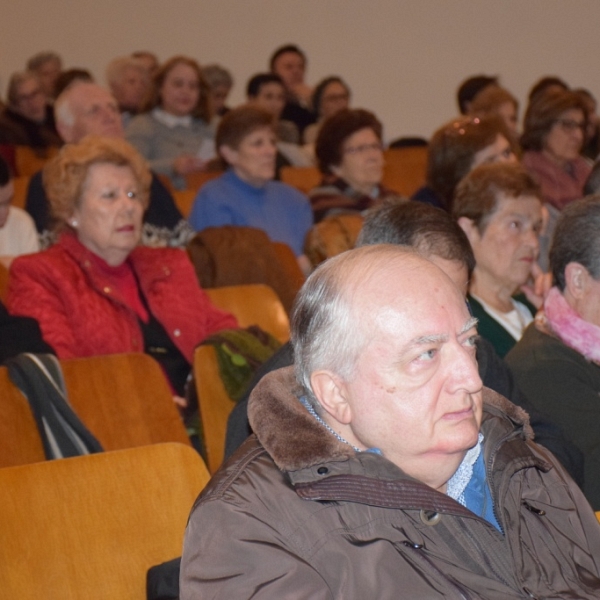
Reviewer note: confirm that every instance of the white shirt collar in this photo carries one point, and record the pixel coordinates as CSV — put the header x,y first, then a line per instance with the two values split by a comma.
x,y
171,121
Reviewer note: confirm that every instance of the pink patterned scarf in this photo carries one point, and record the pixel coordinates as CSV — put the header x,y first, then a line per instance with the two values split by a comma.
x,y
569,327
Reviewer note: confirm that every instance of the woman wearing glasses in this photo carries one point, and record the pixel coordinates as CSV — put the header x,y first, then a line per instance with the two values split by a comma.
x,y
553,135
350,156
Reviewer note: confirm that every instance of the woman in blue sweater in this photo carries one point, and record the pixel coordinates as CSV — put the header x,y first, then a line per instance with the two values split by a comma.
x,y
246,194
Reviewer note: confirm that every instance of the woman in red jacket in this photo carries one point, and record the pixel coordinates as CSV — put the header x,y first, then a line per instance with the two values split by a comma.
x,y
96,291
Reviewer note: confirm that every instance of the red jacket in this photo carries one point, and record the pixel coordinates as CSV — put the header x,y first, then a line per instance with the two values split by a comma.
x,y
80,314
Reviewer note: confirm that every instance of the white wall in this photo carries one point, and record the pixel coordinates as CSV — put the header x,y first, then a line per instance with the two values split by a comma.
x,y
402,59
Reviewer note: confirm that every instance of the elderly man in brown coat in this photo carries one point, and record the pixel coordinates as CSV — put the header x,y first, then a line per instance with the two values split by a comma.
x,y
381,467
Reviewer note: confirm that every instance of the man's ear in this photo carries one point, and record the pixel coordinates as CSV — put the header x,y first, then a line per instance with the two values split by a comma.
x,y
229,154
471,230
576,279
330,391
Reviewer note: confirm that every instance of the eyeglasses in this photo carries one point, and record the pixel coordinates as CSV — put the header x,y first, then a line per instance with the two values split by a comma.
x,y
363,148
570,125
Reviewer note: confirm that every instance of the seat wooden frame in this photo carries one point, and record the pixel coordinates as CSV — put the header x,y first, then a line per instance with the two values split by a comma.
x,y
214,403
29,161
252,305
404,172
405,169
91,526
123,399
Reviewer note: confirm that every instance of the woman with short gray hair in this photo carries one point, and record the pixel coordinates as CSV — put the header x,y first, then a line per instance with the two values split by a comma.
x,y
557,361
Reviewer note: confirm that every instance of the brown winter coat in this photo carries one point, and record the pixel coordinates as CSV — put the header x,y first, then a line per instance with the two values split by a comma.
x,y
298,514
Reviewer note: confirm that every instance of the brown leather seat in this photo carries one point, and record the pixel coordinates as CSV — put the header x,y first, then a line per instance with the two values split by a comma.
x,y
332,236
232,255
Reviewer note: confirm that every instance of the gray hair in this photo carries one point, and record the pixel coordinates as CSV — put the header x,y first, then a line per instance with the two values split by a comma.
x,y
63,111
429,230
216,75
577,239
117,67
326,334
41,58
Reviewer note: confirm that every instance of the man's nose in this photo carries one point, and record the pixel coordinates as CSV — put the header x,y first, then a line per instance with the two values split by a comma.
x,y
465,370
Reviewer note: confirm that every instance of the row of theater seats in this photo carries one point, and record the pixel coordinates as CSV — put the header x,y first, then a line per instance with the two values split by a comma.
x,y
91,526
135,408
404,173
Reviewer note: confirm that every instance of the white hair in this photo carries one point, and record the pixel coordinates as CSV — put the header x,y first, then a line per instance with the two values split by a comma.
x,y
326,331
63,111
117,68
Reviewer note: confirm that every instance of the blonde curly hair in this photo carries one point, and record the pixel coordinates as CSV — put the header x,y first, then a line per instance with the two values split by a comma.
x,y
65,175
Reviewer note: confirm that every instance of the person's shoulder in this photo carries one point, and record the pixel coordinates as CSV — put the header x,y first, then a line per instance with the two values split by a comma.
x,y
247,475
44,263
582,166
537,347
507,413
531,156
142,122
200,125
20,216
221,188
427,195
223,181
287,191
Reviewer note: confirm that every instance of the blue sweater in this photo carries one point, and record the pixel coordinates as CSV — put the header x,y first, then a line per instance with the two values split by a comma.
x,y
281,211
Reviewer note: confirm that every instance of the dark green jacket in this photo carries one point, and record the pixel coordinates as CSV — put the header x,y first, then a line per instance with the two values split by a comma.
x,y
491,330
564,386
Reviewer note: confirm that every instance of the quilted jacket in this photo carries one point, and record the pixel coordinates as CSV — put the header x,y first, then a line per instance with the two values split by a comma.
x,y
296,514
80,314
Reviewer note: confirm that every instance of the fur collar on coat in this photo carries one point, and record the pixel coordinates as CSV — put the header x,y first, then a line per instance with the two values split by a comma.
x,y
295,440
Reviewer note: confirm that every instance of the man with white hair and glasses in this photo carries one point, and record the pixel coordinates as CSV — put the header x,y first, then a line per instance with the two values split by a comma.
x,y
84,108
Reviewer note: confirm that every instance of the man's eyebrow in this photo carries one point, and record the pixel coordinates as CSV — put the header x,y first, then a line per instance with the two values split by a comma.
x,y
472,322
429,339
442,337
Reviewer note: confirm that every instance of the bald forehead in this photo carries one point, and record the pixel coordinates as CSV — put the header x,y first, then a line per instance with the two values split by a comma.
x,y
86,93
402,280
391,264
